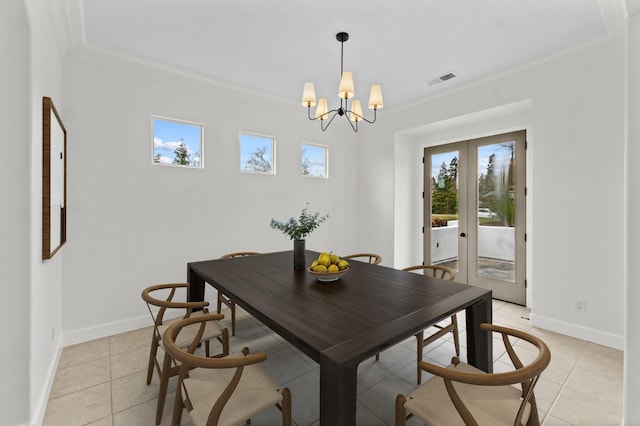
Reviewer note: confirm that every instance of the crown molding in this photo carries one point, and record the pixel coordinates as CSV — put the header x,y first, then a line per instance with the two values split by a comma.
x,y
67,18
632,7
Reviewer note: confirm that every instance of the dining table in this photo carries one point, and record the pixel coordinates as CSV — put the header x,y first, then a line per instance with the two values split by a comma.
x,y
341,323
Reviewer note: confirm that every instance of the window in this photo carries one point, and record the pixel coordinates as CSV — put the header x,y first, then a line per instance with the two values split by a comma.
x,y
314,160
177,142
257,153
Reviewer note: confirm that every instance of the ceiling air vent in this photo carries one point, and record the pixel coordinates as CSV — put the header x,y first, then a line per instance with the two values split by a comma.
x,y
441,79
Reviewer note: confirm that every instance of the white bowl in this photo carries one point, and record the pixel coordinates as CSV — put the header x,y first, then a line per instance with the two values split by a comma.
x,y
327,276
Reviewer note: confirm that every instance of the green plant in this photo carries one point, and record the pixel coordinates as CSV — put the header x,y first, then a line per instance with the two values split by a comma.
x,y
299,229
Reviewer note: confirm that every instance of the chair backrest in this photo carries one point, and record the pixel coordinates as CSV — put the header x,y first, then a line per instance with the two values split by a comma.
x,y
239,254
435,271
526,375
169,290
189,360
370,257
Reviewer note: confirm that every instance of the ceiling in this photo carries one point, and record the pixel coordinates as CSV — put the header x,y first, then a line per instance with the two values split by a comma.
x,y
275,46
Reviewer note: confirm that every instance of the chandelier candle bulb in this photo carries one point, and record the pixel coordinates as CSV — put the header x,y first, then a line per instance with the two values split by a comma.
x,y
309,95
356,108
346,91
321,109
375,97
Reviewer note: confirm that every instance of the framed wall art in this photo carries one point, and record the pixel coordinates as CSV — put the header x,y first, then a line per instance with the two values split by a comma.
x,y
54,180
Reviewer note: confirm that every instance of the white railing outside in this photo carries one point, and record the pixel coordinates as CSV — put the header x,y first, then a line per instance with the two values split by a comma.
x,y
494,242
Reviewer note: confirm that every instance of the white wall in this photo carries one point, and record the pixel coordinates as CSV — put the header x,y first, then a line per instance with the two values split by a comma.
x,y
632,293
46,275
133,224
576,179
14,226
31,288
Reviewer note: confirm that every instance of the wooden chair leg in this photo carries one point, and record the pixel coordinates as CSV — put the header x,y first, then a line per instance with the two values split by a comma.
x,y
225,342
219,303
164,384
286,407
233,318
152,358
178,405
419,349
400,414
456,336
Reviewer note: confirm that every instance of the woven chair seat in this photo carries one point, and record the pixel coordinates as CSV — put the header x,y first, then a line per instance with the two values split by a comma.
x,y
256,391
188,333
490,405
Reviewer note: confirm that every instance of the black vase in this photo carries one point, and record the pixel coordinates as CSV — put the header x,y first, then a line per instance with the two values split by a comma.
x,y
298,255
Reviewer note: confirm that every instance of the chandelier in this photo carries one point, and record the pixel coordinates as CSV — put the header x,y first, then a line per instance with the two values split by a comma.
x,y
353,114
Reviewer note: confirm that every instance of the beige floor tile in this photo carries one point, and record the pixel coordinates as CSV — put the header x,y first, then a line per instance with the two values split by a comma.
x,y
550,420
79,408
129,362
132,390
81,376
84,352
565,353
546,393
599,373
130,340
581,409
145,414
107,421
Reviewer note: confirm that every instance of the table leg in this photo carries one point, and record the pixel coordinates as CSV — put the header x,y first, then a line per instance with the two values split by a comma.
x,y
195,292
338,385
480,342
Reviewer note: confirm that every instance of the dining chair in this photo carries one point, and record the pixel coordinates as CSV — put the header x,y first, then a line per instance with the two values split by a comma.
x,y
222,391
461,393
442,272
370,257
222,299
159,308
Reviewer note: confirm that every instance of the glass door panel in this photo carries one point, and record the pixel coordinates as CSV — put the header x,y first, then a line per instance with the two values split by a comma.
x,y
495,222
444,209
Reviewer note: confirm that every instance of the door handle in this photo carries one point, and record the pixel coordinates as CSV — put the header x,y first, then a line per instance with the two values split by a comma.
x,y
463,235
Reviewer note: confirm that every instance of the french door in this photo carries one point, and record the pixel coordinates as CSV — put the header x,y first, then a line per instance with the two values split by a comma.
x,y
474,204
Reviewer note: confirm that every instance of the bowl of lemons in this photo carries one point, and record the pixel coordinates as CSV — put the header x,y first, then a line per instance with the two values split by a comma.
x,y
328,267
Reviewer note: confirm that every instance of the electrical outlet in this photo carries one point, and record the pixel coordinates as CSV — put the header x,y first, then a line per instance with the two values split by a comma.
x,y
580,306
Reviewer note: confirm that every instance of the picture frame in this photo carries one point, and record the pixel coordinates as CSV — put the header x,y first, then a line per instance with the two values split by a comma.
x,y
314,160
54,180
257,153
177,143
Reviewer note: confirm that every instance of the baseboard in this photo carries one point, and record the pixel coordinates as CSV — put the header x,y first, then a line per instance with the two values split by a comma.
x,y
37,416
585,333
108,329
103,330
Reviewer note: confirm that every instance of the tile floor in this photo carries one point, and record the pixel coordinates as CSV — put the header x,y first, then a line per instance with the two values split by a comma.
x,y
103,382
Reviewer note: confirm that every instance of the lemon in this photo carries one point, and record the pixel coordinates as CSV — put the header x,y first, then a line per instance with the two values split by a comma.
x,y
333,268
319,268
324,259
343,264
314,264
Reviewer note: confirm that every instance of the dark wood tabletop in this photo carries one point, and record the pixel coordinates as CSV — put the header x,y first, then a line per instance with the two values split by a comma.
x,y
341,323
